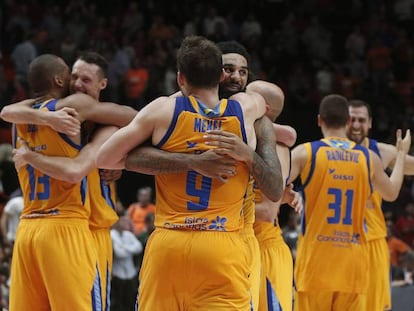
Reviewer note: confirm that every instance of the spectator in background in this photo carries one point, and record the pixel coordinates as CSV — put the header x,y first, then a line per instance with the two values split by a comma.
x,y
139,210
10,217
136,82
8,176
405,224
291,233
396,246
124,274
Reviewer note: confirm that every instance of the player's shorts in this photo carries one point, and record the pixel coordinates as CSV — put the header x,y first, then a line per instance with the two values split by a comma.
x,y
379,275
103,242
193,270
276,284
329,301
54,266
253,256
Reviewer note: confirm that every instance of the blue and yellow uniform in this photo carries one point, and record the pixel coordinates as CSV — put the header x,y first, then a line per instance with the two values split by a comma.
x,y
379,289
276,283
196,259
249,238
331,264
102,198
54,258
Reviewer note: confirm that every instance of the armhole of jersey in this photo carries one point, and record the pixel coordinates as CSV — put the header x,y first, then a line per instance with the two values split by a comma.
x,y
369,164
233,108
179,107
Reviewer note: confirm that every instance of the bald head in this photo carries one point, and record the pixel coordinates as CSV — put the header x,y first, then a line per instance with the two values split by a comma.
x,y
48,72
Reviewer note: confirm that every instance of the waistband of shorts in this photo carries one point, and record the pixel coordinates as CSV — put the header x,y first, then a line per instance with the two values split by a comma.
x,y
275,240
247,231
58,221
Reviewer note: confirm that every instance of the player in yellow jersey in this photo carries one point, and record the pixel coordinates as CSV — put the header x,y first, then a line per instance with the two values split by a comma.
x,y
276,285
153,161
197,218
379,289
54,224
337,177
89,77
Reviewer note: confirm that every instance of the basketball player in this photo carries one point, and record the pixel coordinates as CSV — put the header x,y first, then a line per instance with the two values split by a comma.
x,y
89,77
54,226
337,177
210,266
379,289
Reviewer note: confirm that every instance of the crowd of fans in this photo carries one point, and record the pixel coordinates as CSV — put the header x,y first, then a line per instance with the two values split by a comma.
x,y
310,48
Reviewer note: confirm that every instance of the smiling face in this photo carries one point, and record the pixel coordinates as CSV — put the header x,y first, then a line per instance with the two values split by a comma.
x,y
236,73
86,78
360,124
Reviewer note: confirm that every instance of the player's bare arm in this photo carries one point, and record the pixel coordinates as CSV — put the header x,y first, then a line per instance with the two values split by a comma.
x,y
71,170
153,161
389,187
152,121
63,121
388,153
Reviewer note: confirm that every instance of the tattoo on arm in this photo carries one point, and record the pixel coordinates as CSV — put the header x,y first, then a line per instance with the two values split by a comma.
x,y
153,161
266,167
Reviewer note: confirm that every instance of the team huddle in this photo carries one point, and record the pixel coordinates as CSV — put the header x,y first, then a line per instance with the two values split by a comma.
x,y
222,169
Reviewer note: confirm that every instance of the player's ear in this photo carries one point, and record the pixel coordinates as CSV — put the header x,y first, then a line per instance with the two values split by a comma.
x,y
180,79
103,84
319,120
222,75
59,81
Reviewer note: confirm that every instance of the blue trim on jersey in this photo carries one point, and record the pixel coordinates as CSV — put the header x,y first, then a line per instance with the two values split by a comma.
x,y
51,106
106,193
273,303
14,135
83,188
367,157
96,293
373,145
108,287
303,218
179,107
233,108
315,145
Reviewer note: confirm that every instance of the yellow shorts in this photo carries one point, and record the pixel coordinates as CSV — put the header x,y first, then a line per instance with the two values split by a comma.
x,y
276,284
54,266
379,289
193,270
253,255
103,243
330,301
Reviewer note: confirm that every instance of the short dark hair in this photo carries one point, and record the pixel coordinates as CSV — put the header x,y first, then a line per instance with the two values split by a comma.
x,y
334,111
96,59
42,71
357,103
227,47
200,61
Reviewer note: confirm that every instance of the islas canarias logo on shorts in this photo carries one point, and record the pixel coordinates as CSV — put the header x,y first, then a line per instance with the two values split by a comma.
x,y
217,223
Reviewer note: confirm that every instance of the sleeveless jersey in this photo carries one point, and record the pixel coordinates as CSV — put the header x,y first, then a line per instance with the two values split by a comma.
x,y
43,195
374,217
336,182
189,200
248,205
102,199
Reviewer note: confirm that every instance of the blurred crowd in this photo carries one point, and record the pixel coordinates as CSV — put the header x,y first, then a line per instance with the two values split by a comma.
x,y
310,48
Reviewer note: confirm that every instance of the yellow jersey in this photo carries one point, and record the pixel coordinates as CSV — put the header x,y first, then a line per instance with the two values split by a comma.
x,y
336,182
43,195
102,198
190,201
374,217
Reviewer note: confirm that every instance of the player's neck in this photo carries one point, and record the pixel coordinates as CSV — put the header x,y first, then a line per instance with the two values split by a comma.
x,y
330,132
208,96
